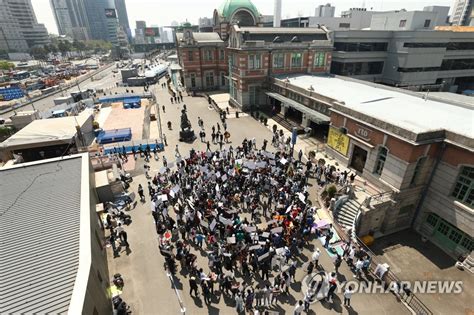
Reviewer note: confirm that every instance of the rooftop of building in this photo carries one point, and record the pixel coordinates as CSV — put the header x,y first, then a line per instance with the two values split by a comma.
x,y
400,108
47,130
202,38
40,231
282,34
229,7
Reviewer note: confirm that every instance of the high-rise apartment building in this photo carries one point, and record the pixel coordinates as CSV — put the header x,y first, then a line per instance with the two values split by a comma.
x,y
326,10
71,19
462,12
19,29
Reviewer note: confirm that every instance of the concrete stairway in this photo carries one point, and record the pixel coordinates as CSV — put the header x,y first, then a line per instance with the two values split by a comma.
x,y
347,214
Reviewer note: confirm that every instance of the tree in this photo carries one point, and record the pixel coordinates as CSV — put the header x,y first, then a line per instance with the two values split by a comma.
x,y
5,65
64,46
39,53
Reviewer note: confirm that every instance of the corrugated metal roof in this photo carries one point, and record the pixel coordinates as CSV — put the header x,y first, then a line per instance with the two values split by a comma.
x,y
39,236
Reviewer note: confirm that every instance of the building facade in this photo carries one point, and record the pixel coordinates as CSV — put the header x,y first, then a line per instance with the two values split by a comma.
x,y
462,12
424,166
102,19
122,15
419,60
258,53
19,29
203,58
326,10
70,18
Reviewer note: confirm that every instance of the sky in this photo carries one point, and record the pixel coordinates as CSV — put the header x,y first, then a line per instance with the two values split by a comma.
x,y
163,12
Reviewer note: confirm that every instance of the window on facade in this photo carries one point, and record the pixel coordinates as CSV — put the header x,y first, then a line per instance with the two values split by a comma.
x,y
222,78
381,158
402,23
467,243
319,59
278,61
193,80
464,187
443,228
455,236
254,61
427,23
418,168
432,219
208,55
221,54
190,56
344,25
296,59
209,79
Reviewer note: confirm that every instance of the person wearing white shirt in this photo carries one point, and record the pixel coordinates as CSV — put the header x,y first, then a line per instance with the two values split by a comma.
x,y
358,268
299,308
347,296
315,257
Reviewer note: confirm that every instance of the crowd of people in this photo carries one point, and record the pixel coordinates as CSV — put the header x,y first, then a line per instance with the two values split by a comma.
x,y
248,211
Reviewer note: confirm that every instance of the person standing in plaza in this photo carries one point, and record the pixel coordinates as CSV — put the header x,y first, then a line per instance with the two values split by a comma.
x,y
239,303
193,287
299,308
337,263
348,295
176,152
315,257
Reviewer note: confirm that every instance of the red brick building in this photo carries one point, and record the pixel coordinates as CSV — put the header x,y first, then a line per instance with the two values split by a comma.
x,y
416,148
258,53
203,59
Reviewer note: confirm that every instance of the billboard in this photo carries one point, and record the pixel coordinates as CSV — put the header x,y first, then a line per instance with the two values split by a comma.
x,y
338,141
110,13
152,32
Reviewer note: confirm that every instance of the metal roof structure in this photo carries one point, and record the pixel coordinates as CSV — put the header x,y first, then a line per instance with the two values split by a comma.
x,y
40,216
395,106
47,131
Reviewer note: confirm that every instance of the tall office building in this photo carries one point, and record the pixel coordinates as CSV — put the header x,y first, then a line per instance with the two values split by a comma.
x,y
140,32
122,15
102,19
19,29
71,19
326,10
462,12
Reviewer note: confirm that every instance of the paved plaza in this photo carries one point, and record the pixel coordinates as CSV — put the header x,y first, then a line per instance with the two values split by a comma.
x,y
148,289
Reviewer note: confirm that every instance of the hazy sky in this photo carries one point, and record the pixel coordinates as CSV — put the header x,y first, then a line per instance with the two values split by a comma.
x,y
163,12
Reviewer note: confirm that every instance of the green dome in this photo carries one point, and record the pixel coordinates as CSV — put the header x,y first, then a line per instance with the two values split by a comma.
x,y
230,6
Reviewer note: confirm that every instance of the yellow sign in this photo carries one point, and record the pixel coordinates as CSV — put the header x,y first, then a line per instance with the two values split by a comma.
x,y
338,141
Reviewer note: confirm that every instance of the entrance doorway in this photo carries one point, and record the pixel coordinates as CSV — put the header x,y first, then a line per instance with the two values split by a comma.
x,y
319,131
359,156
294,115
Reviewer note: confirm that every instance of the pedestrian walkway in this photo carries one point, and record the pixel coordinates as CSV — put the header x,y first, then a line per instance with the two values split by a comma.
x,y
147,288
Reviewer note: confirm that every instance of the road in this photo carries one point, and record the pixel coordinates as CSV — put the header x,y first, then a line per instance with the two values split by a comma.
x,y
107,80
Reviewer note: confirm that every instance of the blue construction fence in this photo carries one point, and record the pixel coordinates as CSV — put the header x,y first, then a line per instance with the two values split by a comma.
x,y
129,146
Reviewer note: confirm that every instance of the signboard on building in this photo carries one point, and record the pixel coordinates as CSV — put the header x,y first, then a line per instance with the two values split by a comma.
x,y
338,141
363,132
110,13
152,32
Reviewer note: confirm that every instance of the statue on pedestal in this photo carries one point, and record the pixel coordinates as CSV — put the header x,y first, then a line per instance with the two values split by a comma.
x,y
187,133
